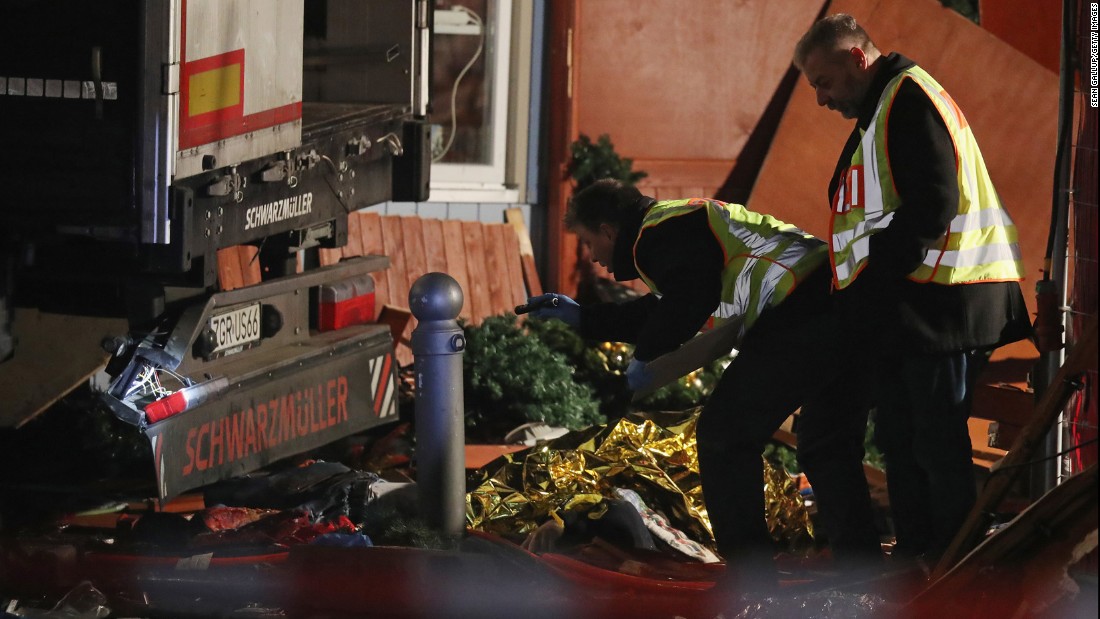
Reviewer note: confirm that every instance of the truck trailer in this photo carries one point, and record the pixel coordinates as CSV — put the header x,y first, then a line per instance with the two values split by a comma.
x,y
140,137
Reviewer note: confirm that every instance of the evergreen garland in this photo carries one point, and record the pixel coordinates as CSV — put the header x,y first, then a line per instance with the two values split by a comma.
x,y
511,378
592,161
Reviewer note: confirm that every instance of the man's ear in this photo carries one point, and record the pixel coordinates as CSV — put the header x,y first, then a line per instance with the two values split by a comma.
x,y
609,230
859,57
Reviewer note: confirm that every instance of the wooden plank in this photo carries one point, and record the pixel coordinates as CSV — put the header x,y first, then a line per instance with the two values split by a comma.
x,y
398,319
230,276
329,255
415,267
434,252
1053,401
393,242
416,263
454,250
473,240
354,246
514,217
370,235
513,261
397,275
496,269
248,255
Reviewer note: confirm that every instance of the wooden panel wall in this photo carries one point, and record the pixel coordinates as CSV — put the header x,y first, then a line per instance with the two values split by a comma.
x,y
678,86
1034,27
682,81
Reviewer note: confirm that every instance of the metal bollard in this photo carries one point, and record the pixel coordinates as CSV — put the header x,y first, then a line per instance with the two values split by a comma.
x,y
437,344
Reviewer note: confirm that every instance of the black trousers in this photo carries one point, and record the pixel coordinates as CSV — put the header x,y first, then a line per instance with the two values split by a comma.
x,y
923,403
790,358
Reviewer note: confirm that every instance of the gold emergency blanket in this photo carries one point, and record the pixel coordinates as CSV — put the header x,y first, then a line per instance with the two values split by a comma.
x,y
653,454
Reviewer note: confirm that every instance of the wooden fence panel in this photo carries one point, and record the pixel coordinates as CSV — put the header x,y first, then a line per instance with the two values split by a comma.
x,y
354,246
514,265
416,263
397,274
496,266
473,238
514,217
370,233
433,246
454,250
330,255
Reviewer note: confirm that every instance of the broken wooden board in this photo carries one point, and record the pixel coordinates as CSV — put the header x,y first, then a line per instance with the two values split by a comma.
x,y
694,354
1065,382
514,217
54,354
1019,570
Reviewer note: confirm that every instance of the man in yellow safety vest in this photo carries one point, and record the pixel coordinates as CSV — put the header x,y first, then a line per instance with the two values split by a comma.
x,y
925,266
709,261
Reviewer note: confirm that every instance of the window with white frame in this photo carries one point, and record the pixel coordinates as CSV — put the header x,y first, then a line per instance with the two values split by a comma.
x,y
471,101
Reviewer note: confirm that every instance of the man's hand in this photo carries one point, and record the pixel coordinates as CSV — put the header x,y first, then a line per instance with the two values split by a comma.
x,y
553,305
638,377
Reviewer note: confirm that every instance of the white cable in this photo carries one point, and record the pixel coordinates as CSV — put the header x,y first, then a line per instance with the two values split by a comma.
x,y
461,74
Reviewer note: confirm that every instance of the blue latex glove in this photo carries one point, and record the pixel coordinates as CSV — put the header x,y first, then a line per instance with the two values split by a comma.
x,y
566,310
637,376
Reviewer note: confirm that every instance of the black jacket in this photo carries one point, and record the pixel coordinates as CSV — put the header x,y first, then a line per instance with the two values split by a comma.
x,y
882,305
685,261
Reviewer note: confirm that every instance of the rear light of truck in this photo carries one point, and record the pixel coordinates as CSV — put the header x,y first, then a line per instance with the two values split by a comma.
x,y
184,399
345,303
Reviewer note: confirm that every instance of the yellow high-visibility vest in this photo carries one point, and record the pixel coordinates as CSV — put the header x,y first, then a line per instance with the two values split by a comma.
x,y
980,245
764,258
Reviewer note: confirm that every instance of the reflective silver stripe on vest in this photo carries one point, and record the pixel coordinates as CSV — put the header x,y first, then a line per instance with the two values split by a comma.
x,y
775,272
984,218
872,190
742,291
860,247
769,283
973,256
756,243
844,237
872,205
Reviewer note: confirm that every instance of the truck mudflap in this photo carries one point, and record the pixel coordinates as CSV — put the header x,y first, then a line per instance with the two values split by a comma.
x,y
342,383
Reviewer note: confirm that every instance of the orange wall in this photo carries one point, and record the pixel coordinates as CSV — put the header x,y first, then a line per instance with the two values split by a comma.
x,y
1033,27
670,79
679,86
